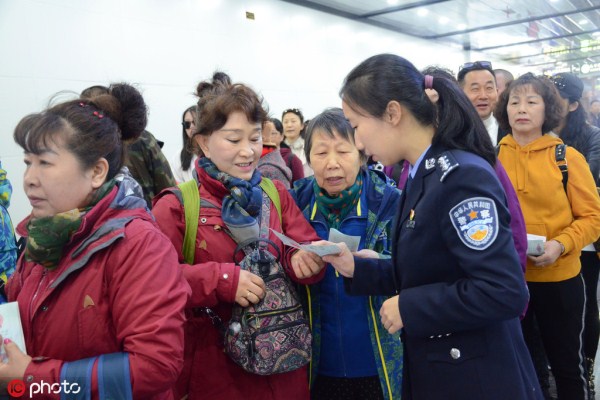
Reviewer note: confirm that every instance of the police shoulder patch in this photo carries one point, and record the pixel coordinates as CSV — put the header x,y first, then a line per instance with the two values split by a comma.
x,y
476,222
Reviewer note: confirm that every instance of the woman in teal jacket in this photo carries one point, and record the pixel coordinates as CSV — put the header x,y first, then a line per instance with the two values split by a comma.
x,y
353,355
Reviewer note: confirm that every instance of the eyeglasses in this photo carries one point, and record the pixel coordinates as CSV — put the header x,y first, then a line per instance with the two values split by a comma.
x,y
473,66
187,124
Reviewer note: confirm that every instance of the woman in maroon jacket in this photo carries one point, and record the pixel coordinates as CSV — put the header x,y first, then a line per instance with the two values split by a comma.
x,y
99,288
229,137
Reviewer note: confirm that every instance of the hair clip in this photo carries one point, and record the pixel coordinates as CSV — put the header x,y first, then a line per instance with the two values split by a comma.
x,y
97,114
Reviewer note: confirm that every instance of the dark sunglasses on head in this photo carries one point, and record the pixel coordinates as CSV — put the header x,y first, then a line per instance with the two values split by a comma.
x,y
187,124
471,66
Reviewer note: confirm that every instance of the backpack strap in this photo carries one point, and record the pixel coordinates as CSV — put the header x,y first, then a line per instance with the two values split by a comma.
x,y
560,153
191,207
269,188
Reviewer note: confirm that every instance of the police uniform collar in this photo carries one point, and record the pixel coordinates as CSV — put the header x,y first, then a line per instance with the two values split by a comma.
x,y
445,164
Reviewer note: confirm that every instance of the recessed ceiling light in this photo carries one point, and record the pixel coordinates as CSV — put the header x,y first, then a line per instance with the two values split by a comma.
x,y
422,12
392,2
443,20
461,27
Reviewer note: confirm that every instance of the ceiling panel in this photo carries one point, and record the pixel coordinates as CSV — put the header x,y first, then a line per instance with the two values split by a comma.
x,y
531,32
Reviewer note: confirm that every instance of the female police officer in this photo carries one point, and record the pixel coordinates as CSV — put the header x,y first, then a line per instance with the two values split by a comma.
x,y
454,267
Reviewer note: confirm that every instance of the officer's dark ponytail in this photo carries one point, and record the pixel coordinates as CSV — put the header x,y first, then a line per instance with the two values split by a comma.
x,y
386,77
459,125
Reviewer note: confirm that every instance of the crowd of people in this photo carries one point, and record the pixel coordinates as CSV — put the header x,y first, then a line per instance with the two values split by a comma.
x,y
435,237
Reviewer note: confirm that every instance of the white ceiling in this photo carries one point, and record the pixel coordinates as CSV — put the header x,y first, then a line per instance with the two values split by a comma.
x,y
545,34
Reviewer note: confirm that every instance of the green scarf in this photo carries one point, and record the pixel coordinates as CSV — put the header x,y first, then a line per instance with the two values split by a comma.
x,y
336,208
49,235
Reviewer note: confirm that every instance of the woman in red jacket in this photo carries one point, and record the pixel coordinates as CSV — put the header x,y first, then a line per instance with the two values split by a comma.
x,y
228,134
99,289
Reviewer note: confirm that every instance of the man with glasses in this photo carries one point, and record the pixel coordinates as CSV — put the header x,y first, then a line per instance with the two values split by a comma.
x,y
478,81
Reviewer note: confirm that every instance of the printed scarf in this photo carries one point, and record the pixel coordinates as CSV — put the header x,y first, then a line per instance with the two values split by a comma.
x,y
336,208
241,208
49,235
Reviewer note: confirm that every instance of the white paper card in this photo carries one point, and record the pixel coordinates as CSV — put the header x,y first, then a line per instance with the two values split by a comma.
x,y
535,244
336,236
318,250
10,327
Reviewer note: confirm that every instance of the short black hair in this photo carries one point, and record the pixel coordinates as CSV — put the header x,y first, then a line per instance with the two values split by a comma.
x,y
474,66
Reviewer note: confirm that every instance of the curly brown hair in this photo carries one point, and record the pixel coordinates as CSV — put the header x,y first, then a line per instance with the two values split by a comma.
x,y
543,87
218,97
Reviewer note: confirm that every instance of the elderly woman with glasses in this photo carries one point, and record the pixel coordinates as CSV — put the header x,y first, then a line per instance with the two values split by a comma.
x,y
560,203
353,355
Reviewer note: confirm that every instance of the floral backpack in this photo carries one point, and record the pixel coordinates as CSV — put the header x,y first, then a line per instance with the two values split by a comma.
x,y
272,336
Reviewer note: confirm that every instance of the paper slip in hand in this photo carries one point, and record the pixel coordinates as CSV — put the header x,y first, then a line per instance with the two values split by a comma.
x,y
10,327
535,245
318,250
336,236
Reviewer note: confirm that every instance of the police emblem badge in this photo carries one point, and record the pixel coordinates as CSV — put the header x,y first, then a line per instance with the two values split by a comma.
x,y
476,222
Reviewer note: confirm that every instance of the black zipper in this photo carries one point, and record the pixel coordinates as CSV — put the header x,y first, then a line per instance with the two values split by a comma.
x,y
252,347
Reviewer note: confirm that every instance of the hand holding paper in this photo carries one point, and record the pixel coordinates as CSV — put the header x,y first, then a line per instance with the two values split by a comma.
x,y
306,264
17,361
13,352
535,244
342,262
352,242
311,248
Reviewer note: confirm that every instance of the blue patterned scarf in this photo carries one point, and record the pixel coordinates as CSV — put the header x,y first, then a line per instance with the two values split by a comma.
x,y
241,208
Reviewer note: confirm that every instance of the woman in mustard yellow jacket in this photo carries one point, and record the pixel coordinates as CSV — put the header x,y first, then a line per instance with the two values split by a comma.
x,y
567,216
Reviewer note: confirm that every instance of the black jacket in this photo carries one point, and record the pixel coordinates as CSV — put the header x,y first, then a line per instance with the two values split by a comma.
x,y
587,142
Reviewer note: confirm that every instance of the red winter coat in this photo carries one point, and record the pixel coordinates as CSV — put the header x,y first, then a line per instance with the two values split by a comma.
x,y
129,296
208,371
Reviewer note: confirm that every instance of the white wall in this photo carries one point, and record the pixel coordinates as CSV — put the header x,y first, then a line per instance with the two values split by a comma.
x,y
294,56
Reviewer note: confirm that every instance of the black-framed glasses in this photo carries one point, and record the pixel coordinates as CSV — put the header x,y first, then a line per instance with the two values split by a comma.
x,y
473,66
187,124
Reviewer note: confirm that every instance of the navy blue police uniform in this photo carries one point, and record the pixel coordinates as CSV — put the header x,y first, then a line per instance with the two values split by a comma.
x,y
461,286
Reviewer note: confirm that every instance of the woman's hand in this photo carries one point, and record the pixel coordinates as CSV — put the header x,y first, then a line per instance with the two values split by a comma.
x,y
366,253
306,264
250,289
390,315
342,262
552,250
17,362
